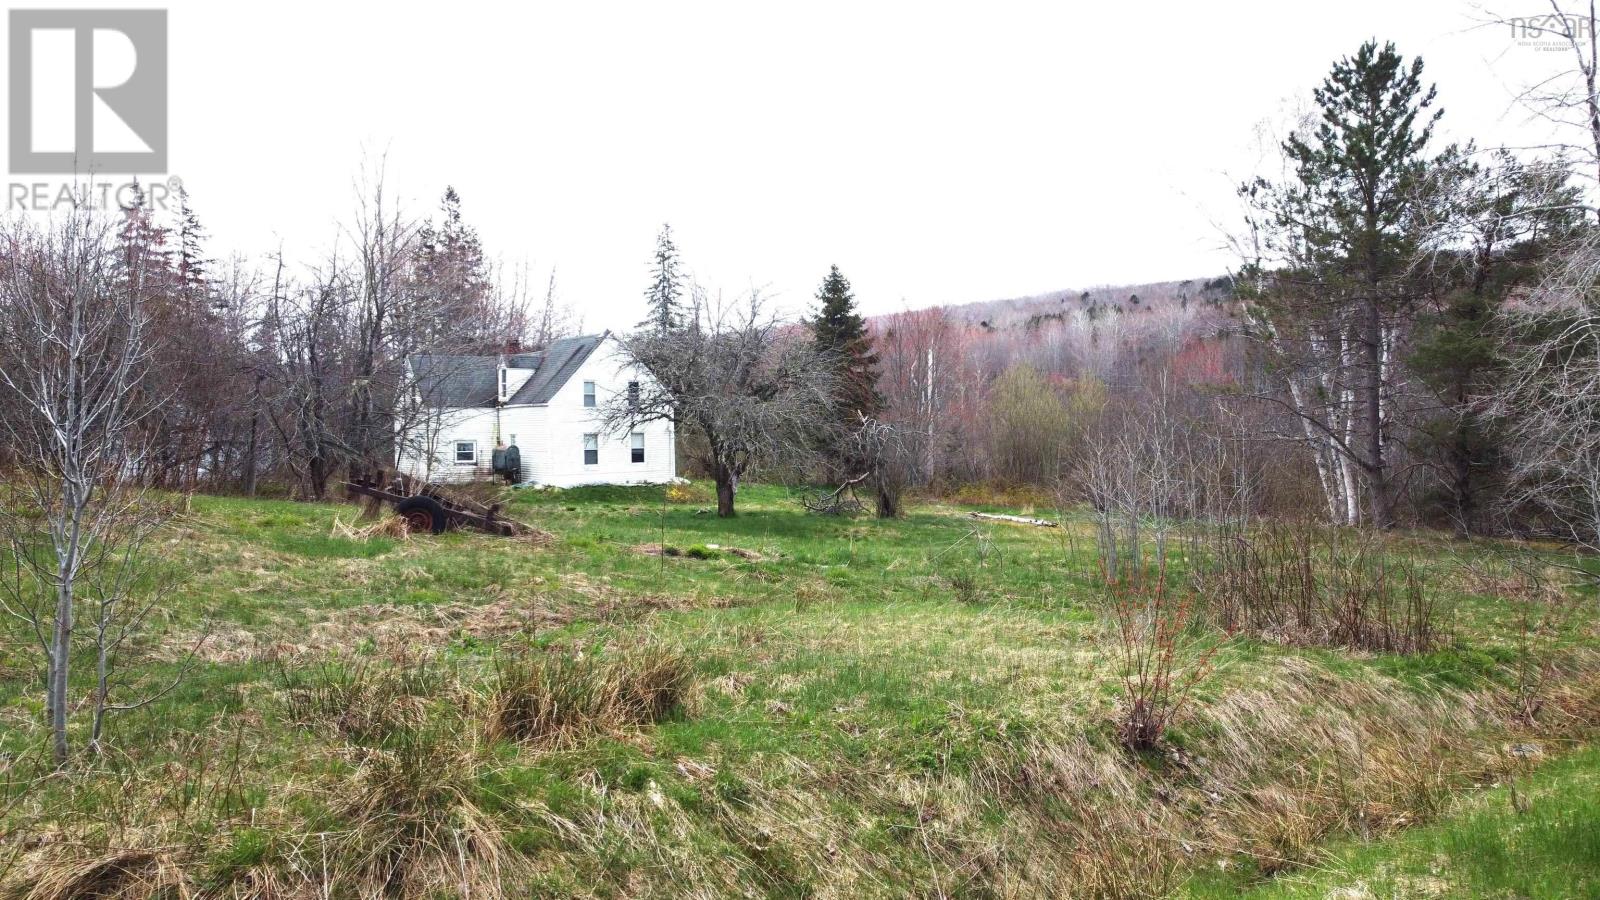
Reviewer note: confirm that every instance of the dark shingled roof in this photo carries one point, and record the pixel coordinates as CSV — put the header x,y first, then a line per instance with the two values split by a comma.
x,y
450,381
557,363
459,382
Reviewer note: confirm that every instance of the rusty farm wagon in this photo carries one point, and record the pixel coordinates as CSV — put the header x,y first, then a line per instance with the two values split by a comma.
x,y
429,509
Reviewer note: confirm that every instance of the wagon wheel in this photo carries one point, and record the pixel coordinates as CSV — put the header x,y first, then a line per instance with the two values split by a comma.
x,y
422,514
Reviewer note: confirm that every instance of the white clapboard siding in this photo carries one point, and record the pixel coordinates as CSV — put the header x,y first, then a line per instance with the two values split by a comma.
x,y
568,420
549,436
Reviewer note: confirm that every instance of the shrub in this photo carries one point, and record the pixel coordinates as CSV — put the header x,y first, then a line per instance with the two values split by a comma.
x,y
965,586
1038,421
1306,584
1543,612
1159,664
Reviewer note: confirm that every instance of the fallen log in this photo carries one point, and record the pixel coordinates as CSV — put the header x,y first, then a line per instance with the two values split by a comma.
x,y
1020,520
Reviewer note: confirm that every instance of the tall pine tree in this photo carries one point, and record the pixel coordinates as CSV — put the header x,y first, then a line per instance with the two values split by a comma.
x,y
840,334
665,295
1350,221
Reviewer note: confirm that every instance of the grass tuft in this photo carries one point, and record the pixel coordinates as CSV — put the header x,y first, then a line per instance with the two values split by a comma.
x,y
553,699
364,701
414,824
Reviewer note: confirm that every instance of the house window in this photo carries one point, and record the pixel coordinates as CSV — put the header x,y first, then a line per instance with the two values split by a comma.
x,y
503,383
638,446
591,449
588,393
466,453
633,395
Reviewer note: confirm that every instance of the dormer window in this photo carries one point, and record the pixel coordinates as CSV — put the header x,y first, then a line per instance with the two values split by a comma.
x,y
588,393
505,384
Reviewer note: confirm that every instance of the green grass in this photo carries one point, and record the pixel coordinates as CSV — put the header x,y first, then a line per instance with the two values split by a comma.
x,y
874,705
1486,847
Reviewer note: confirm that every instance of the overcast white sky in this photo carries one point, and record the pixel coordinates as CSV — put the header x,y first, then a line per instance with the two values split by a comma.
x,y
936,152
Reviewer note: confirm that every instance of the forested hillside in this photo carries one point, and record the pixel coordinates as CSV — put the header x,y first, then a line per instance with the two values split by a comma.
x,y
973,376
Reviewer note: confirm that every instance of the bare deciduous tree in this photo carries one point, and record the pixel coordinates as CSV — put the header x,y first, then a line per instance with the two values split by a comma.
x,y
332,372
75,518
746,391
1551,399
1156,467
1570,98
884,454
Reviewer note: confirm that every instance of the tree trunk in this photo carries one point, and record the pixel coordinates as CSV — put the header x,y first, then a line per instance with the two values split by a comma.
x,y
724,478
318,475
60,655
888,503
250,456
250,452
102,674
1463,489
1379,491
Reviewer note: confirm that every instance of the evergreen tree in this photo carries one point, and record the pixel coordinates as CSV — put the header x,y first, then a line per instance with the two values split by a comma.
x,y
664,299
1350,221
1511,214
192,264
840,334
143,260
183,332
453,274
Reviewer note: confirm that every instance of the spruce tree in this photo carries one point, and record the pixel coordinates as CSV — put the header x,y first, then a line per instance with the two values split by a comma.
x,y
452,272
1511,215
841,334
664,298
192,263
143,261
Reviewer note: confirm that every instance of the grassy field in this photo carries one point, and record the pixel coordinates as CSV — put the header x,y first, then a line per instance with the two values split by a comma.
x,y
778,705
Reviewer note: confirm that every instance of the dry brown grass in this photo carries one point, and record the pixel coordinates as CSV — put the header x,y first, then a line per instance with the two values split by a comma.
x,y
1267,772
1282,765
994,493
392,526
688,493
128,874
400,631
363,701
392,631
696,552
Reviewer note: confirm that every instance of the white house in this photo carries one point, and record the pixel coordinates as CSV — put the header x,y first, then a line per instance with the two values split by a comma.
x,y
546,403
